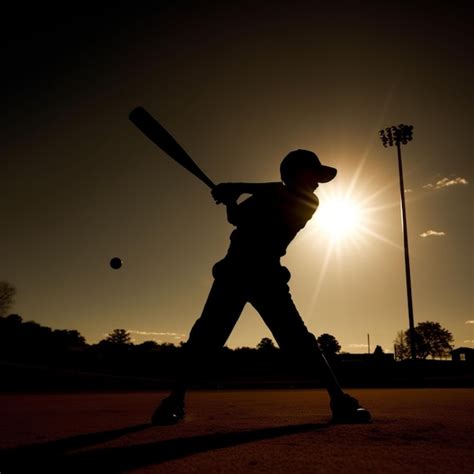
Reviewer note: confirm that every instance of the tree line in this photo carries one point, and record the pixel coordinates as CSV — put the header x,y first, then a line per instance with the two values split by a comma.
x,y
28,341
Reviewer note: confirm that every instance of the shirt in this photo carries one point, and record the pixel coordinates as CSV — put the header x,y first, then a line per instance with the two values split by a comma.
x,y
267,222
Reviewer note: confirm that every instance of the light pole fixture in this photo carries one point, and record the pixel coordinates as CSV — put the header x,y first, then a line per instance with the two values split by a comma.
x,y
398,135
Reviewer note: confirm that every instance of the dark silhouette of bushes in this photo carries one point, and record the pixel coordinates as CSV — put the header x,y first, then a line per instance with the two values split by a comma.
x,y
36,356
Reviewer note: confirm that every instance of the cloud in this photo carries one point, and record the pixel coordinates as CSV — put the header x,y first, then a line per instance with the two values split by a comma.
x,y
432,233
470,321
469,340
446,183
357,346
153,333
408,191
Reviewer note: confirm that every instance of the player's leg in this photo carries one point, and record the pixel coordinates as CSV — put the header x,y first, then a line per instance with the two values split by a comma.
x,y
209,333
276,307
274,303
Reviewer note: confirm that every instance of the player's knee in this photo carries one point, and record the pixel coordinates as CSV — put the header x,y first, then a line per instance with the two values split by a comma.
x,y
206,338
285,275
199,334
221,270
297,342
308,342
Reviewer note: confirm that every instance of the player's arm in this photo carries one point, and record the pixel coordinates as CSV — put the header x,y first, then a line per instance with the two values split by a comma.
x,y
232,212
229,193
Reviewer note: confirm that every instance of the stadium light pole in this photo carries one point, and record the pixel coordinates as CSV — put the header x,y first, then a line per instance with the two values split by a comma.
x,y
399,135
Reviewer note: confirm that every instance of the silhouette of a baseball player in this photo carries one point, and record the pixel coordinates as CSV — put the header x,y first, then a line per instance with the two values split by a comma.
x,y
251,272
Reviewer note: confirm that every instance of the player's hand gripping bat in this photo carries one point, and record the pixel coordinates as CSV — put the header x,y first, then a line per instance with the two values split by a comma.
x,y
158,135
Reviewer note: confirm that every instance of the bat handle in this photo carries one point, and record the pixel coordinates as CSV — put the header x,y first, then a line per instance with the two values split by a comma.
x,y
209,183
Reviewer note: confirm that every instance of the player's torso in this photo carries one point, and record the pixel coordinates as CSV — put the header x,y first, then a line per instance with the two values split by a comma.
x,y
268,222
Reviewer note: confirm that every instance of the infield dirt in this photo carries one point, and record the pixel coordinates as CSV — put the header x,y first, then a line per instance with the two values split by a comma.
x,y
414,430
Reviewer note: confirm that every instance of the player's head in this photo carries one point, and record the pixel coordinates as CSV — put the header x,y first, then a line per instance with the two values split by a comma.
x,y
302,167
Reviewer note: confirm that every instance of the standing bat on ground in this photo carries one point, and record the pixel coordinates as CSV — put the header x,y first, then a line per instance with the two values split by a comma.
x,y
160,136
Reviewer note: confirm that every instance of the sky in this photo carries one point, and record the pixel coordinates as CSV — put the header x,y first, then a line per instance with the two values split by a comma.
x,y
239,84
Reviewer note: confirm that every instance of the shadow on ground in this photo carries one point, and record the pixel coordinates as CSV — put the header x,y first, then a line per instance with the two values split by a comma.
x,y
56,456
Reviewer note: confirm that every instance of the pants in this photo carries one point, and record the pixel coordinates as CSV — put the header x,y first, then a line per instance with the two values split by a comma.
x,y
268,292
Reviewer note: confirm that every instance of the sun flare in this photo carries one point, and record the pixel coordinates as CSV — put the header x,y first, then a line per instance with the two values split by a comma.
x,y
339,217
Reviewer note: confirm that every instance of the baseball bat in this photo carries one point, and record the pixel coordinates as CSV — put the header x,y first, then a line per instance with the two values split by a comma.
x,y
161,137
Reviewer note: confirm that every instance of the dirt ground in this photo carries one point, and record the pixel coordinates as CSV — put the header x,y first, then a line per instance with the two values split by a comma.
x,y
274,431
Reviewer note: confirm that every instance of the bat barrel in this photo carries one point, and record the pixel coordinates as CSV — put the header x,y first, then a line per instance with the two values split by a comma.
x,y
163,139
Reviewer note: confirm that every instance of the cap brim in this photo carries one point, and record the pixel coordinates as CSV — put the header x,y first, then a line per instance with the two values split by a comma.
x,y
326,174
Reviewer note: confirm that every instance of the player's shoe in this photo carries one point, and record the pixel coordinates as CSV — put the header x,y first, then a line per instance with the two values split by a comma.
x,y
347,410
169,412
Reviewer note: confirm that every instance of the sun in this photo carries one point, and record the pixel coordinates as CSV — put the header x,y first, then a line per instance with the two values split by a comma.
x,y
350,216
339,217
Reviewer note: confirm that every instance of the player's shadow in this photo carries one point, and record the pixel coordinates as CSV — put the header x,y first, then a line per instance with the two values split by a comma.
x,y
56,456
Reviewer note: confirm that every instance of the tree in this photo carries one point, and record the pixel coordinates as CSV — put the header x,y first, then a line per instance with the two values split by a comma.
x,y
7,295
431,340
435,341
67,338
35,338
10,323
266,344
378,352
10,331
329,345
401,346
119,337
148,346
